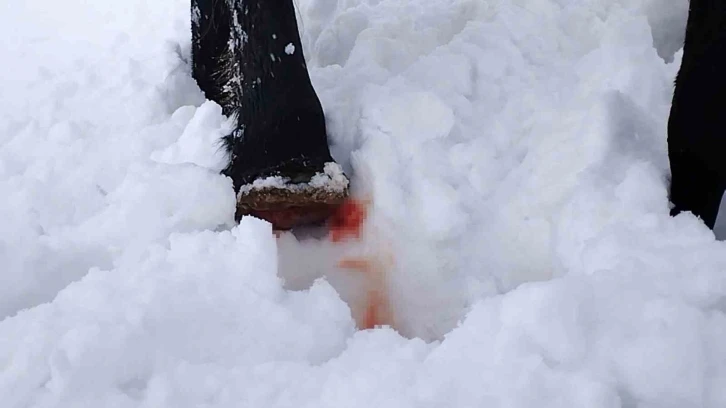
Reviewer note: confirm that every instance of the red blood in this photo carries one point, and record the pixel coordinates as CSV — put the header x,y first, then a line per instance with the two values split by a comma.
x,y
377,309
347,223
348,220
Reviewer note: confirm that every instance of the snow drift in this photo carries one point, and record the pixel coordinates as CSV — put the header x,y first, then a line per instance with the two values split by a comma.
x,y
514,155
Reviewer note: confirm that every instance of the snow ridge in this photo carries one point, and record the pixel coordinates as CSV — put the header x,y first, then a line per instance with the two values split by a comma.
x,y
513,153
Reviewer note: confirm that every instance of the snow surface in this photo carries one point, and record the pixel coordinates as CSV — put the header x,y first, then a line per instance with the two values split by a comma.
x,y
331,179
514,155
290,49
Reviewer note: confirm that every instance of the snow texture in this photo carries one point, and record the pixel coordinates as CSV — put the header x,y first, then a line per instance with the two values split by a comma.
x,y
290,49
514,155
331,179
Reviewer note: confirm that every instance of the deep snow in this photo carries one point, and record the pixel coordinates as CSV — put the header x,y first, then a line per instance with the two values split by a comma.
x,y
514,155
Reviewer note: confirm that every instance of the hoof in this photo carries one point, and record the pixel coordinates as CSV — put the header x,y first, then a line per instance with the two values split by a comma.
x,y
287,205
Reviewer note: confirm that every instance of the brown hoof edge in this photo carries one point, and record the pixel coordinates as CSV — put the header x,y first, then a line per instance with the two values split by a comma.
x,y
291,206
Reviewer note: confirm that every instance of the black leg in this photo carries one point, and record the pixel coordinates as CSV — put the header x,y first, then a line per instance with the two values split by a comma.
x,y
695,187
210,37
248,57
697,121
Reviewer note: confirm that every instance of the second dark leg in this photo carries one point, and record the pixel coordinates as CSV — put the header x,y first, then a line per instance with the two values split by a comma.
x,y
694,187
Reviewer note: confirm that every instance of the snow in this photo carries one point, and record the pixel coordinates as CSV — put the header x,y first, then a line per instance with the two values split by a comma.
x,y
514,157
290,49
332,178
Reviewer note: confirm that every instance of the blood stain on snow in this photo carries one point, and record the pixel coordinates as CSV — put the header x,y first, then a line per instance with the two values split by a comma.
x,y
377,307
346,224
348,220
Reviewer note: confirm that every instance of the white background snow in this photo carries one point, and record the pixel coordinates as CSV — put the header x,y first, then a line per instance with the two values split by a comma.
x,y
514,153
